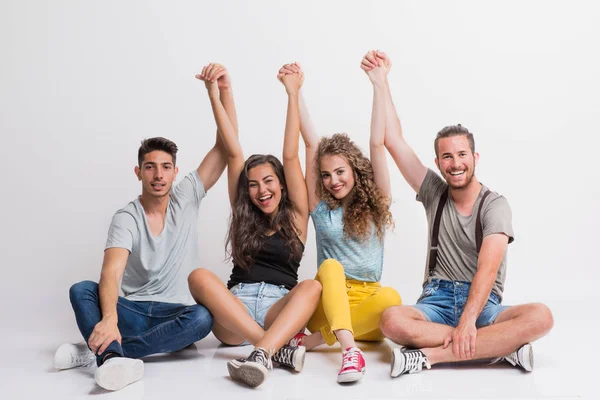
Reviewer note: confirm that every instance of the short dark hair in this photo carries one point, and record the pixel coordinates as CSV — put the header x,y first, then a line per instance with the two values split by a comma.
x,y
454,130
156,143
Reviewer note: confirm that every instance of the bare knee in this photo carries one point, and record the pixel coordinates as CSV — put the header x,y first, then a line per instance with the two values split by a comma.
x,y
542,318
200,279
310,287
394,322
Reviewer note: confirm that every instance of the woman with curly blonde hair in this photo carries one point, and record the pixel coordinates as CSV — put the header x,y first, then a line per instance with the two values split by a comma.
x,y
349,197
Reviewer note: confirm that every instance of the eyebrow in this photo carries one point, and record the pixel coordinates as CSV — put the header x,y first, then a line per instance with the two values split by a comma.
x,y
266,177
335,169
154,163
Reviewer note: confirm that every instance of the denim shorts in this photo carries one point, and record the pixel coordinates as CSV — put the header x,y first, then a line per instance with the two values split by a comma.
x,y
443,302
258,298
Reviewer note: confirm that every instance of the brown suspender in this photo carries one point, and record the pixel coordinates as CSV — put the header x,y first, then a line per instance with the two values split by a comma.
x,y
433,250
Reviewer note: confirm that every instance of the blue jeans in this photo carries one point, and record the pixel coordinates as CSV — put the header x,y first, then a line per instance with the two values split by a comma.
x,y
146,327
443,302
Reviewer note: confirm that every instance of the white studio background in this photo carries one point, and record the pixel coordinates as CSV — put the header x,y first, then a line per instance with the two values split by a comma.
x,y
82,82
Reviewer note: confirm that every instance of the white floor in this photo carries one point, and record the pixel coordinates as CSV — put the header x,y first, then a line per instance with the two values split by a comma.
x,y
563,370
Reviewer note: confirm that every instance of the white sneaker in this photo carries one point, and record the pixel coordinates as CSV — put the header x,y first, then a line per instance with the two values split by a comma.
x,y
73,355
118,372
522,357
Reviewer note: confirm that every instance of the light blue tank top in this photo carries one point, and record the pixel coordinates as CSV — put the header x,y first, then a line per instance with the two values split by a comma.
x,y
362,258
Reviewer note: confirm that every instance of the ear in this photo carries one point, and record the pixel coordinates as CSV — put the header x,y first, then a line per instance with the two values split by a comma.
x,y
176,172
437,163
138,172
476,157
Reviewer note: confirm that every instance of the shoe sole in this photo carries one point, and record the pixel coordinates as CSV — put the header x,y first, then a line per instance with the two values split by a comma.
x,y
299,358
527,357
395,370
251,375
351,377
117,376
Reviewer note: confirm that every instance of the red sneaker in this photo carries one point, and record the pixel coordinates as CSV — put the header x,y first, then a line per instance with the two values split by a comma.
x,y
353,366
297,340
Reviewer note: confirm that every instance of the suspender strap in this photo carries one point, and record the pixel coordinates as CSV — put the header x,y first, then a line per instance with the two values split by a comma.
x,y
433,250
478,224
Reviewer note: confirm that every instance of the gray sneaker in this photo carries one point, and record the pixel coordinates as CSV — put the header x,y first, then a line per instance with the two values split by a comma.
x,y
522,357
407,362
253,370
290,357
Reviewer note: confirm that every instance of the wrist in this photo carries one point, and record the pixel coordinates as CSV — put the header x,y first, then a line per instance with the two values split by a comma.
x,y
213,93
377,85
112,318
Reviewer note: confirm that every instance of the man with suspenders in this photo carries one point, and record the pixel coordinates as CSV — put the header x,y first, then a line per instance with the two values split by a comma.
x,y
459,315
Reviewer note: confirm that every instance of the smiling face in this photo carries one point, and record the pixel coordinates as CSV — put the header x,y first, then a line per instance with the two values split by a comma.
x,y
264,188
157,173
337,176
456,161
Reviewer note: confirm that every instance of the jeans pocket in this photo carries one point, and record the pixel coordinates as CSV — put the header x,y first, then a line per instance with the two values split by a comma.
x,y
428,290
235,289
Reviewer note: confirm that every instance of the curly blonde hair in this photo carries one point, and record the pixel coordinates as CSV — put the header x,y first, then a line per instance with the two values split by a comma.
x,y
367,206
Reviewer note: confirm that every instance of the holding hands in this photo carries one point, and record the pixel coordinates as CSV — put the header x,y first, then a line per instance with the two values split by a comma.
x,y
377,65
292,77
215,77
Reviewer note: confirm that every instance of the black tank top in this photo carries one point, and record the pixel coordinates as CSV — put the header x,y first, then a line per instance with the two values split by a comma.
x,y
271,265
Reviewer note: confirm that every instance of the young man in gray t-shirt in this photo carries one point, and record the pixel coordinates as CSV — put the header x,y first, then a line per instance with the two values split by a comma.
x,y
459,315
152,246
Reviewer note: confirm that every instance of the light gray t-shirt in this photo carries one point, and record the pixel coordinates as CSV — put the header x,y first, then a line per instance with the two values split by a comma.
x,y
457,249
158,266
362,259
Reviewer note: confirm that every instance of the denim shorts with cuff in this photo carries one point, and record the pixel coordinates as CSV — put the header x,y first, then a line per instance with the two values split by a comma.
x,y
443,302
258,298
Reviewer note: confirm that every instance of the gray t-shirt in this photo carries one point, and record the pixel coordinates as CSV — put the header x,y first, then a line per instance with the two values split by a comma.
x,y
457,249
158,266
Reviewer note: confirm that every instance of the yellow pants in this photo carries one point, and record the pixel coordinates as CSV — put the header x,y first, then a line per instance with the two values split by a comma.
x,y
351,305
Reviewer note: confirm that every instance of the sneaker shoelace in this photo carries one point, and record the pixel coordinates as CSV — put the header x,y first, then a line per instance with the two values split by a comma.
x,y
83,358
350,359
262,357
415,361
284,355
513,358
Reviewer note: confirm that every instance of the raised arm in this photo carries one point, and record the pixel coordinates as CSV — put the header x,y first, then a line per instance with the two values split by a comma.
x,y
311,140
405,158
106,331
381,173
223,108
291,162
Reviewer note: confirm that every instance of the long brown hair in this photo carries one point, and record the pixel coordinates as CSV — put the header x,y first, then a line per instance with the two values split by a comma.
x,y
367,206
249,226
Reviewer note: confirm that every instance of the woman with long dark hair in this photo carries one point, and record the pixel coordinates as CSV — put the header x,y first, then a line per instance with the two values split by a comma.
x,y
263,303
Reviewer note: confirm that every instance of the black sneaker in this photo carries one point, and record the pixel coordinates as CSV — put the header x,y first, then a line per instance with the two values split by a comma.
x,y
252,370
408,362
290,357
